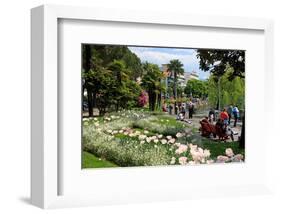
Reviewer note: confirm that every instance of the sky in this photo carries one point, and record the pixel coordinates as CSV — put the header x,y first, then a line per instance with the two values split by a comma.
x,y
161,56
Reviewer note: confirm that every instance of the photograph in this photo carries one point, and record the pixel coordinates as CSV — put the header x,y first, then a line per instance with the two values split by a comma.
x,y
161,106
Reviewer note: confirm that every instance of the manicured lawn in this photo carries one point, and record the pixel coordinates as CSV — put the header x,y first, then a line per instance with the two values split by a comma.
x,y
91,161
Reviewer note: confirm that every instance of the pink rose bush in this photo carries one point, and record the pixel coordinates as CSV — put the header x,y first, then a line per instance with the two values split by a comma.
x,y
143,99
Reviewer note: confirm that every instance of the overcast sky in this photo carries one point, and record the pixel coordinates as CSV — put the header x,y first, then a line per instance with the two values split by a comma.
x,y
161,56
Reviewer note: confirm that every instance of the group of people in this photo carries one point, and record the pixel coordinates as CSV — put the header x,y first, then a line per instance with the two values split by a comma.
x,y
226,115
222,120
181,110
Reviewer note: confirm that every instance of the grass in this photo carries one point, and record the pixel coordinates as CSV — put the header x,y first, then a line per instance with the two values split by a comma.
x,y
91,161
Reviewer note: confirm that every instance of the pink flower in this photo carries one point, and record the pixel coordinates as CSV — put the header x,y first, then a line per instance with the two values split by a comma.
x,y
222,159
143,99
183,160
181,149
173,140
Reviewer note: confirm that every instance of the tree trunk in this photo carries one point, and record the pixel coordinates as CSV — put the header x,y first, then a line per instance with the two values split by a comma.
x,y
90,102
87,67
242,137
175,91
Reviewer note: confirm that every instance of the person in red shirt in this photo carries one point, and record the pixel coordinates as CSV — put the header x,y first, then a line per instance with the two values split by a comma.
x,y
224,116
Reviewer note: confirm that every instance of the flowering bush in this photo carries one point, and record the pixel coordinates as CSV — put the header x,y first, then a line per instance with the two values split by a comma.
x,y
134,138
143,99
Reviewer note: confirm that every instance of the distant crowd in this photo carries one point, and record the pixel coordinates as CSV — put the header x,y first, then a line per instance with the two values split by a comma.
x,y
181,110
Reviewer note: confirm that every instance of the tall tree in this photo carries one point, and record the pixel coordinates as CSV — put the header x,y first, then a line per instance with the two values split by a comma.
x,y
217,61
151,81
87,54
176,67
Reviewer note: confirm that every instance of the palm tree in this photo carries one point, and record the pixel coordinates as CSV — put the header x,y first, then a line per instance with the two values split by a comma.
x,y
151,81
176,67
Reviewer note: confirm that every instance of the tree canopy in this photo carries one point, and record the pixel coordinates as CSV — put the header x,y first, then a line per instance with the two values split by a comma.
x,y
109,74
196,88
216,61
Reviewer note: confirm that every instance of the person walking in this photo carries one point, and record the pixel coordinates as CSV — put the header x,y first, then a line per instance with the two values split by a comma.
x,y
170,107
224,117
229,112
235,112
183,110
190,110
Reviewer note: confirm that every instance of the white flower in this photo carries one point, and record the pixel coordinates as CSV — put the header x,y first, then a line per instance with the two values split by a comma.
x,y
155,146
137,132
121,131
207,153
155,140
169,137
148,139
142,137
164,141
183,160
114,132
173,160
191,146
173,140
96,124
229,152
95,119
109,131
85,119
160,136
209,161
178,135
142,142
145,132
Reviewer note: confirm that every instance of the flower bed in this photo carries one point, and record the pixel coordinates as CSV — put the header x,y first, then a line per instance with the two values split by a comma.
x,y
138,138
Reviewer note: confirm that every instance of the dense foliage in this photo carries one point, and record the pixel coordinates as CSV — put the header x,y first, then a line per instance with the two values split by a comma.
x,y
231,92
196,88
109,77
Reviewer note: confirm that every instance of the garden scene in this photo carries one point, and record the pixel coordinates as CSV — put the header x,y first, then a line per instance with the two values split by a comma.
x,y
147,106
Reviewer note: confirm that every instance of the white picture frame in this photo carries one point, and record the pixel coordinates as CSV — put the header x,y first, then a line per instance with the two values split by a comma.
x,y
45,155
